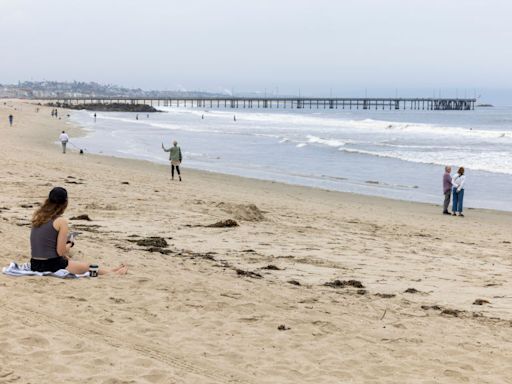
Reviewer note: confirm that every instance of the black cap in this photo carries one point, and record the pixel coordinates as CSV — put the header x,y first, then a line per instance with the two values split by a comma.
x,y
58,195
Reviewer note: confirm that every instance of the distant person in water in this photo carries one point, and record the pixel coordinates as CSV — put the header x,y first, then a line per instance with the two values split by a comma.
x,y
94,117
447,188
11,118
458,183
64,138
234,117
50,241
137,117
174,157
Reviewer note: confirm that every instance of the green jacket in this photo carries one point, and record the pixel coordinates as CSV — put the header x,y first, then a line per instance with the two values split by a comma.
x,y
175,152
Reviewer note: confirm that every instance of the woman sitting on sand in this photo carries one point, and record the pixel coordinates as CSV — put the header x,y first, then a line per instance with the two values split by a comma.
x,y
49,238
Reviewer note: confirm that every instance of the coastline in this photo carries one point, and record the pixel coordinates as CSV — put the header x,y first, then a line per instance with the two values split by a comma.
x,y
346,158
190,316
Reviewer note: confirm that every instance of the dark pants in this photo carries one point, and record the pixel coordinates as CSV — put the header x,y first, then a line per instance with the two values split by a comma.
x,y
446,204
177,170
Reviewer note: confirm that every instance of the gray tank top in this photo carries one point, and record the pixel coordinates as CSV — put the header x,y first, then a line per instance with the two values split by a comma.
x,y
43,241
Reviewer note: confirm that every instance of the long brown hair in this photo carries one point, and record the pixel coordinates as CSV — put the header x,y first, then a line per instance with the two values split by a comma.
x,y
461,171
48,211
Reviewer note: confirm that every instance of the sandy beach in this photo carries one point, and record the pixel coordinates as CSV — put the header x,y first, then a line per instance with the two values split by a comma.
x,y
204,304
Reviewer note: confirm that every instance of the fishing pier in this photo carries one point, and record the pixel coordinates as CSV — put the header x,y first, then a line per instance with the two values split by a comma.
x,y
431,104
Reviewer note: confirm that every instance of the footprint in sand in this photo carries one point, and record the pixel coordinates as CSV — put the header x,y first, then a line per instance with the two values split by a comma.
x,y
35,341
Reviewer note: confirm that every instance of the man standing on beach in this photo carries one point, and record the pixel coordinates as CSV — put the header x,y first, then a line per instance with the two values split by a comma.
x,y
174,157
447,188
64,138
11,118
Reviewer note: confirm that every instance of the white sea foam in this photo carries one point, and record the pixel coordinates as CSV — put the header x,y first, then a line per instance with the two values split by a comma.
x,y
329,142
497,162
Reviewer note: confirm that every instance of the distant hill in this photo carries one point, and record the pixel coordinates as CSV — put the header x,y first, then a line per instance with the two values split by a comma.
x,y
37,89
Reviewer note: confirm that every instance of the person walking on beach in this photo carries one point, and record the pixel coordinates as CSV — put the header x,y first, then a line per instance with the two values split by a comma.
x,y
11,118
175,158
447,188
64,138
458,182
50,242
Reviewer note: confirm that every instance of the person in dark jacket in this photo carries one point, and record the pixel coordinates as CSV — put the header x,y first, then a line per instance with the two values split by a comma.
x,y
447,188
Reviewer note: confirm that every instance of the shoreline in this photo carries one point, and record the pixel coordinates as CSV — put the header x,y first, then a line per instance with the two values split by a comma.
x,y
313,285
410,182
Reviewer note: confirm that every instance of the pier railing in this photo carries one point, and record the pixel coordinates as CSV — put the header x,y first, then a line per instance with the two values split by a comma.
x,y
433,104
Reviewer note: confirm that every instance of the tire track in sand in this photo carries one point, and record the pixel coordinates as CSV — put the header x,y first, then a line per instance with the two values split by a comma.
x,y
30,317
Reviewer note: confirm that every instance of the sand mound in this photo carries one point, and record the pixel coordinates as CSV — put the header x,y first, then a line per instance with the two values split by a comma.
x,y
247,212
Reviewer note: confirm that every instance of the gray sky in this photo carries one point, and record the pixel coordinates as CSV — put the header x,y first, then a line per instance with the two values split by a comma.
x,y
315,45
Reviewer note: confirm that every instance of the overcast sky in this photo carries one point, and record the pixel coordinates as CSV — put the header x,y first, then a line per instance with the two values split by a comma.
x,y
216,45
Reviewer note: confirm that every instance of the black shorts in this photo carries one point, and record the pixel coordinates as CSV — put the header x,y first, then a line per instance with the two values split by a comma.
x,y
50,265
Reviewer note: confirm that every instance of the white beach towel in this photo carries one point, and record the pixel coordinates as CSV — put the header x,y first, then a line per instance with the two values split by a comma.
x,y
15,269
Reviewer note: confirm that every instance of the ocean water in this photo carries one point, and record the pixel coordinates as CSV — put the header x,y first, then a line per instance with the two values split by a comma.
x,y
397,154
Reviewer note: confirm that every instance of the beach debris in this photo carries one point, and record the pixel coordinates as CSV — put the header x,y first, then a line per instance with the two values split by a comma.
x,y
433,307
506,242
385,295
117,300
451,312
283,327
293,282
344,283
81,217
361,292
151,241
272,267
125,182
246,212
158,250
254,275
481,302
88,228
411,290
223,224
384,314
73,182
5,209
245,250
26,206
205,256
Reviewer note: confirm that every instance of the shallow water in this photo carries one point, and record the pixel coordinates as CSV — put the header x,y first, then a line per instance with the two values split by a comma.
x,y
397,154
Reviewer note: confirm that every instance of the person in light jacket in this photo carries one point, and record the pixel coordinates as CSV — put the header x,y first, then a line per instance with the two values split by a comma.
x,y
174,157
458,182
64,138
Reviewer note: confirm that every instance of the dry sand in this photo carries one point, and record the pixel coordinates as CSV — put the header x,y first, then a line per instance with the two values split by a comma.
x,y
188,317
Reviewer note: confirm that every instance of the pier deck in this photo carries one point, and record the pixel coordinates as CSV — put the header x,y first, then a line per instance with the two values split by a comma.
x,y
433,104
